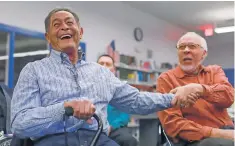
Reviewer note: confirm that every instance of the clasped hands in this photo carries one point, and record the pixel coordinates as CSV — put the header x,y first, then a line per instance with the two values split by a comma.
x,y
186,96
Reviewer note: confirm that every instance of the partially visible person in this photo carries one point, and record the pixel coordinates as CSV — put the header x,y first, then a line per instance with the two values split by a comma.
x,y
207,123
231,110
118,120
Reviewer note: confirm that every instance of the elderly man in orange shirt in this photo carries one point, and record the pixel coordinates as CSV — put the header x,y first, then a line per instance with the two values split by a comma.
x,y
207,123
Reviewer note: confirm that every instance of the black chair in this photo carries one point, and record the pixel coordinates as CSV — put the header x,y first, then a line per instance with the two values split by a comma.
x,y
5,110
5,105
16,141
168,141
164,140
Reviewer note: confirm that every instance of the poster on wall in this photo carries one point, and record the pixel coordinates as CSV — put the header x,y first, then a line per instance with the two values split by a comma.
x,y
111,50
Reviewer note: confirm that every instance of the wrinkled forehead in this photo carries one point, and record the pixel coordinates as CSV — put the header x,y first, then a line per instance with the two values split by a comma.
x,y
61,15
189,39
105,59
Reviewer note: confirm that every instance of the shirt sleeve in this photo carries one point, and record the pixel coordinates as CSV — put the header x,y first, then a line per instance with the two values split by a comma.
x,y
173,122
28,117
221,92
128,99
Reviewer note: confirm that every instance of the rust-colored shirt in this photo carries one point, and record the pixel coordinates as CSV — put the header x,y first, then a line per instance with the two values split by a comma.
x,y
210,111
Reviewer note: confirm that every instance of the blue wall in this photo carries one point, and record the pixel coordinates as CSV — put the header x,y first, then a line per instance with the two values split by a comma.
x,y
230,74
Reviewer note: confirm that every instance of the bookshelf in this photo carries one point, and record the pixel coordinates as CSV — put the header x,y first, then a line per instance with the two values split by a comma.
x,y
141,78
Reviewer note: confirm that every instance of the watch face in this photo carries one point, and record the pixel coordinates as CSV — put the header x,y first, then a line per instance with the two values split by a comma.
x,y
138,34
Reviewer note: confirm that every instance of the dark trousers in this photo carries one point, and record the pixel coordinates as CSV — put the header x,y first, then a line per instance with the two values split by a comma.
x,y
209,142
213,142
80,138
123,137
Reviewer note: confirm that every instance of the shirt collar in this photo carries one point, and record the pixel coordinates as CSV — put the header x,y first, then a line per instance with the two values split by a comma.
x,y
180,73
63,57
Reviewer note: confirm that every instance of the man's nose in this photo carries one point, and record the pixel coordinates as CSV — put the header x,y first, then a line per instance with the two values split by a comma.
x,y
64,26
187,49
105,65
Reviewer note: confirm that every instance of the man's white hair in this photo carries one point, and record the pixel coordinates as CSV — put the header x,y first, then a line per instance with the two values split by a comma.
x,y
202,41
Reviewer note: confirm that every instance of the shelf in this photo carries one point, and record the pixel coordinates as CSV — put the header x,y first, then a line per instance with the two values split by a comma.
x,y
142,79
139,83
124,66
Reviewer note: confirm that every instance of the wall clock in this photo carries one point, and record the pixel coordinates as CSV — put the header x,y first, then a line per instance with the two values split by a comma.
x,y
138,34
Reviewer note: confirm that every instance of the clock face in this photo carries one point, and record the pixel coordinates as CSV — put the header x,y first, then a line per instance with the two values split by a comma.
x,y
138,34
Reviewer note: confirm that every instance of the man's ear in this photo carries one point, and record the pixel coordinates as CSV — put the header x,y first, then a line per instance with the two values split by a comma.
x,y
204,54
47,37
81,33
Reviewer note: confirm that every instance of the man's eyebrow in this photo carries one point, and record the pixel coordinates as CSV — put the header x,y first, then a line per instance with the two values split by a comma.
x,y
68,18
56,19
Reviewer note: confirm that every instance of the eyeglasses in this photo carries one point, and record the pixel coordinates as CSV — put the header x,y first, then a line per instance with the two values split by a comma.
x,y
191,46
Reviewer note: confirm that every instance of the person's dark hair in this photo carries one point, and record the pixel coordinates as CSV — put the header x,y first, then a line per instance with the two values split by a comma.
x,y
105,55
47,19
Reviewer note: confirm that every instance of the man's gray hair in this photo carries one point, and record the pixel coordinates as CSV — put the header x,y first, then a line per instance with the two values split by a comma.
x,y
203,43
48,18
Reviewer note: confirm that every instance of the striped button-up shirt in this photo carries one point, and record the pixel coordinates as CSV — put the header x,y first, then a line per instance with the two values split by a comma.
x,y
44,85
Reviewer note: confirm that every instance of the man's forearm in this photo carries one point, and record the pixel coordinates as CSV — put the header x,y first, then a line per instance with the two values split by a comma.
x,y
195,133
142,103
38,121
147,103
176,126
219,94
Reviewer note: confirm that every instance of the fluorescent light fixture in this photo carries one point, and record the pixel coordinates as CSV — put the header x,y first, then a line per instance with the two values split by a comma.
x,y
225,29
23,54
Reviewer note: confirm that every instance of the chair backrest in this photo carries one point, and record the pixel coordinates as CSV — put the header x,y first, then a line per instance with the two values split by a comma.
x,y
3,112
16,141
5,108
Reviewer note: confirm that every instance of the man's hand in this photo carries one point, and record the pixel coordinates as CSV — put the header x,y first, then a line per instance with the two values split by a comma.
x,y
186,95
222,133
83,109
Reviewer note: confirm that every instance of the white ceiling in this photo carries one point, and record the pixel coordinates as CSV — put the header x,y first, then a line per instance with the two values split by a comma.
x,y
190,15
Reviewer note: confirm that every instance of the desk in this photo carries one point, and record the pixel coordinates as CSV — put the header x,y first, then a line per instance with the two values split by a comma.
x,y
148,130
